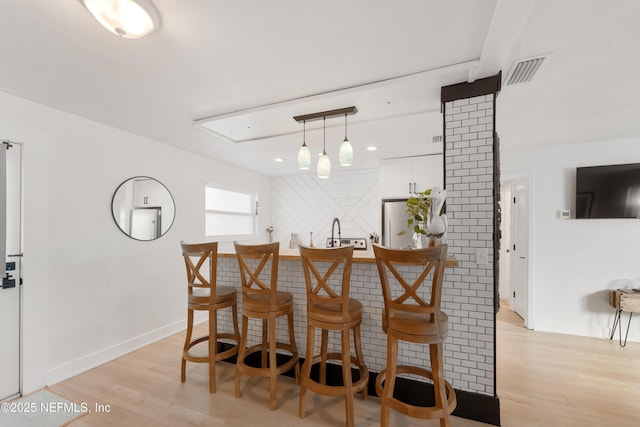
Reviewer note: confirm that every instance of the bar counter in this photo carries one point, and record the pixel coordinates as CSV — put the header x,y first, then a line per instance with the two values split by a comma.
x,y
366,288
359,256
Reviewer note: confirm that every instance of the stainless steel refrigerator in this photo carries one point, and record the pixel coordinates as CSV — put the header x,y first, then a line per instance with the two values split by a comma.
x,y
394,220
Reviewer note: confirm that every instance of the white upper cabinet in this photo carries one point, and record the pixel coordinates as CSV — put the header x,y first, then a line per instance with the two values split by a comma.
x,y
408,176
147,193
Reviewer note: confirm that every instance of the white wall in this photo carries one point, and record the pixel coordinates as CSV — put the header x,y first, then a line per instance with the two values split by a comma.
x,y
90,292
574,262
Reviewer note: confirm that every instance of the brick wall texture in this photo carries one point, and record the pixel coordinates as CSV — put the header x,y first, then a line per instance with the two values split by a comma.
x,y
468,292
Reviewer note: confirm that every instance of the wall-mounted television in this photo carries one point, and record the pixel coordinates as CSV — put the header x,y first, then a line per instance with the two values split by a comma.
x,y
611,191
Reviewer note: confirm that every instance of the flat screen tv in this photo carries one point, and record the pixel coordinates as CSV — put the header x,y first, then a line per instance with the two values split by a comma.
x,y
608,191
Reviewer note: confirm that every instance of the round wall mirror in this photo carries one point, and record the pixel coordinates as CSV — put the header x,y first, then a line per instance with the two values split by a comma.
x,y
143,208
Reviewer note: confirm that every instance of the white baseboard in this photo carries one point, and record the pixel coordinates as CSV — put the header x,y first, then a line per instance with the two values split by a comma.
x,y
90,361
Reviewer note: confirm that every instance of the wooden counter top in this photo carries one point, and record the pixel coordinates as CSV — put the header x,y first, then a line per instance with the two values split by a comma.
x,y
359,256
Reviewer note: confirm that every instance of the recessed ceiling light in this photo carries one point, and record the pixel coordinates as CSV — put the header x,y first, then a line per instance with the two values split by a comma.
x,y
278,159
372,148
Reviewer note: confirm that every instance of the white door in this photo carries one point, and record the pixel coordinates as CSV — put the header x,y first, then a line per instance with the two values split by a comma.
x,y
504,279
11,269
520,249
145,223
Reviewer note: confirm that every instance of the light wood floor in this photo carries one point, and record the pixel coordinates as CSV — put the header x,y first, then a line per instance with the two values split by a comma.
x,y
545,380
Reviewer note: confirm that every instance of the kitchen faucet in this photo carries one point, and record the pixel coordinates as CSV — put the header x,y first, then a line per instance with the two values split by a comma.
x,y
333,226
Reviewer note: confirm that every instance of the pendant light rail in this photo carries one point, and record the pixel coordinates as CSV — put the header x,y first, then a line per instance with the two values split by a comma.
x,y
326,114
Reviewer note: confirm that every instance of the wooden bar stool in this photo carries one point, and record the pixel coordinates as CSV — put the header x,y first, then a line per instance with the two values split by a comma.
x,y
262,300
329,308
204,294
408,317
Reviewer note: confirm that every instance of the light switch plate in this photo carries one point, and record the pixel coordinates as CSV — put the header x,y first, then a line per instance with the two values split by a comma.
x,y
481,256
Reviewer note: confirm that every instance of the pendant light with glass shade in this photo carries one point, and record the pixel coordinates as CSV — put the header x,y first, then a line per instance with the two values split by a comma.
x,y
324,164
346,150
304,155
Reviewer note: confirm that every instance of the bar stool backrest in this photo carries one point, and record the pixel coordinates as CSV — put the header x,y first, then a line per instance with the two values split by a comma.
x,y
320,266
258,281
200,273
402,294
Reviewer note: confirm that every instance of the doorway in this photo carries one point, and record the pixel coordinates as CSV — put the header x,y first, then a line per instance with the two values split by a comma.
x,y
10,268
514,248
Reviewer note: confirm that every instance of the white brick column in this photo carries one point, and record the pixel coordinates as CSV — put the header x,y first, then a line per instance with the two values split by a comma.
x,y
470,210
471,164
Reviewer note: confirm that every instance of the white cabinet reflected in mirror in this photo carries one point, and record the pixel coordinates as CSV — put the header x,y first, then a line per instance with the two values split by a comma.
x,y
143,208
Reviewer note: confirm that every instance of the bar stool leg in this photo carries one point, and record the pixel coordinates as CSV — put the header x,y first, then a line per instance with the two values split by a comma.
x,y
273,365
234,311
440,390
241,352
292,341
357,343
346,376
213,348
187,341
306,367
324,343
265,340
390,379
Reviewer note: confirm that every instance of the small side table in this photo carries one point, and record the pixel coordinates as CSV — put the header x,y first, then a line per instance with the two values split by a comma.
x,y
623,300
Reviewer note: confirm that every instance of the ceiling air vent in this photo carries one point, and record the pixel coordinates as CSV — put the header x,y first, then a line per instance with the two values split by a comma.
x,y
523,71
436,139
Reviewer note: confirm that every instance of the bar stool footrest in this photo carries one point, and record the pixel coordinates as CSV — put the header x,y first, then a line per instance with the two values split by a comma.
x,y
190,357
329,390
423,412
243,368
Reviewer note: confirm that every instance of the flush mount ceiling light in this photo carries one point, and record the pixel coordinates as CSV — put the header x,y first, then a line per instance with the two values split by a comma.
x,y
130,19
346,150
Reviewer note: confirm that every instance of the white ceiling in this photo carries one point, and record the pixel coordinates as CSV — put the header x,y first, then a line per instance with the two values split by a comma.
x,y
252,65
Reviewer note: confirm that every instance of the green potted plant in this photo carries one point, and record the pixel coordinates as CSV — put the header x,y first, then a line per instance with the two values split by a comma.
x,y
422,221
418,209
